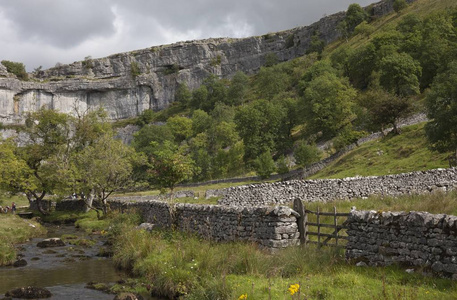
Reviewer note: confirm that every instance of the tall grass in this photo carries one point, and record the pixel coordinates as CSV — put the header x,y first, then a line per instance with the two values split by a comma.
x,y
182,265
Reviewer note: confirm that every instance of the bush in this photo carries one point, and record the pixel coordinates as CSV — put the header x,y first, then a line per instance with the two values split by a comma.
x,y
16,68
306,154
400,5
265,165
135,69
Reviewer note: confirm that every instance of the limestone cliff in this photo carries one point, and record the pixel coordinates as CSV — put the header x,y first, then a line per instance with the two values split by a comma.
x,y
128,83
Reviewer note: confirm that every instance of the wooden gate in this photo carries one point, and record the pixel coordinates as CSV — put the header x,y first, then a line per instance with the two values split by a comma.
x,y
321,228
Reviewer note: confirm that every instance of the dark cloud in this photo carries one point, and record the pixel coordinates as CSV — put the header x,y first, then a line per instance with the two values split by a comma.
x,y
62,23
43,32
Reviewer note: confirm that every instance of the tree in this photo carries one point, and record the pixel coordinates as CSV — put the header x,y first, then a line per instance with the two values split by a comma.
x,y
199,97
441,105
385,108
264,165
181,127
49,135
306,154
201,121
15,174
400,74
183,95
355,15
271,81
104,167
150,135
238,89
169,166
364,29
399,5
328,104
259,125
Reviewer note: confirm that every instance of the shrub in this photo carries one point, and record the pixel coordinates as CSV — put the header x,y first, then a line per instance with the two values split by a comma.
x,y
16,68
135,69
306,154
264,165
400,5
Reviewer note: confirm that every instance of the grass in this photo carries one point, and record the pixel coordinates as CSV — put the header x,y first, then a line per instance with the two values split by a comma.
x,y
182,265
15,230
20,200
392,154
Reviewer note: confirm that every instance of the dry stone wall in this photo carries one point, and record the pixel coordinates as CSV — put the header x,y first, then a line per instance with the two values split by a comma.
x,y
417,239
272,228
323,190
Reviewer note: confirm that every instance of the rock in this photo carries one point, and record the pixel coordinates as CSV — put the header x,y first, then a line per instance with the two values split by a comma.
x,y
53,242
128,296
20,263
361,264
409,271
146,226
29,292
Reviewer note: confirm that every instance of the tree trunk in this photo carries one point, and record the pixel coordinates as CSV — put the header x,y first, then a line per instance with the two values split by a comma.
x,y
38,201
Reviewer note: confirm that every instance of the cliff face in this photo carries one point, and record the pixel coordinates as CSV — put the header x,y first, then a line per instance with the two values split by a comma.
x,y
126,84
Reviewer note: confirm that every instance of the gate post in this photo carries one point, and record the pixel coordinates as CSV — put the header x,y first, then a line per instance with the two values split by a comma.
x,y
302,221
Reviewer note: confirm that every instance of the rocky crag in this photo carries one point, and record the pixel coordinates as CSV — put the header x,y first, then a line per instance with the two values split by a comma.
x,y
128,83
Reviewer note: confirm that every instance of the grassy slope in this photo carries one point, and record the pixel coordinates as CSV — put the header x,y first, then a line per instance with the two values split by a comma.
x,y
15,230
392,154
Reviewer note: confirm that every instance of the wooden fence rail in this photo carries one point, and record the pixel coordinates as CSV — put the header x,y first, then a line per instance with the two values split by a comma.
x,y
323,238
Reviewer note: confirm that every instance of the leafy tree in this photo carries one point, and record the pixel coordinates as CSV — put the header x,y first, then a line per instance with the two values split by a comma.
x,y
259,125
183,95
143,140
271,59
400,74
104,167
49,140
271,81
385,108
222,113
201,121
399,5
199,97
170,166
15,174
264,165
217,92
438,46
317,44
441,105
361,64
282,165
328,104
147,116
181,127
364,29
238,89
355,15
306,154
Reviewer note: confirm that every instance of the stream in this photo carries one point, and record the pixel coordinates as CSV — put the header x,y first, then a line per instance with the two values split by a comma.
x,y
65,270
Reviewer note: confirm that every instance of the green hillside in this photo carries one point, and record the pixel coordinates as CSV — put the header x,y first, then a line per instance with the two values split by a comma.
x,y
392,154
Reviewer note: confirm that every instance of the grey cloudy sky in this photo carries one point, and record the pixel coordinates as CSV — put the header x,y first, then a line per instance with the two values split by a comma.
x,y
44,32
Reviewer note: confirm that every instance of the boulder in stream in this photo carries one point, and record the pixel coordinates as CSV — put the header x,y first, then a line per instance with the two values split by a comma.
x,y
20,263
53,242
29,292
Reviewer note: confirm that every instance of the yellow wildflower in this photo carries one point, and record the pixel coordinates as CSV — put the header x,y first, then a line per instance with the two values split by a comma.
x,y
293,288
243,297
